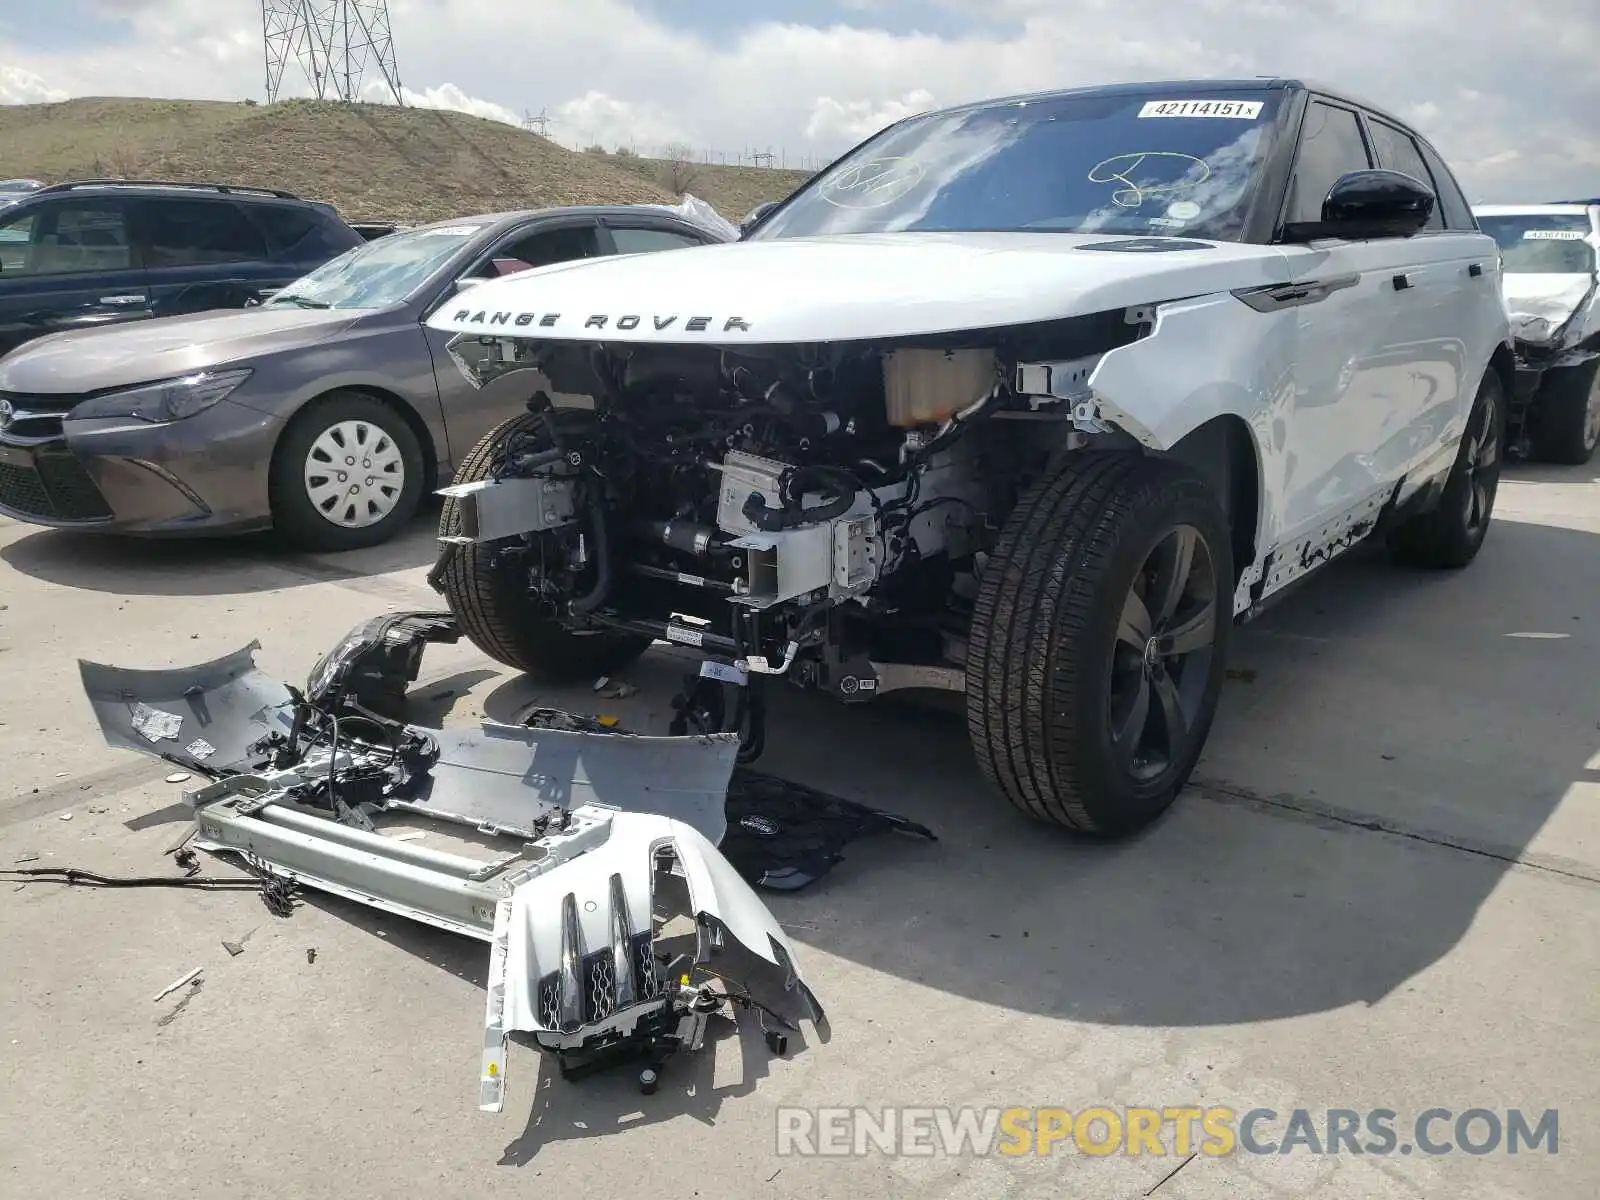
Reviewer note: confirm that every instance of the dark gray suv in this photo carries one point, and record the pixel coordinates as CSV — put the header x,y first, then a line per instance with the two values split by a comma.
x,y
81,255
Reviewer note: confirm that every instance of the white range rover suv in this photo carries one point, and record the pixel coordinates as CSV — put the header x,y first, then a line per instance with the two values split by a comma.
x,y
1031,399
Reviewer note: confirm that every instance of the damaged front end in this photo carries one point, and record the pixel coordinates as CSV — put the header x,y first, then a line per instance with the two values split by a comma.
x,y
617,928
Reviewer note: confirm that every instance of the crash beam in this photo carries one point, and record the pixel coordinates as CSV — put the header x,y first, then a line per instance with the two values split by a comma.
x,y
446,891
491,509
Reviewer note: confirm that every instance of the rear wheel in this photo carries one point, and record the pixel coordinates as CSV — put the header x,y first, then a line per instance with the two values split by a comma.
x,y
347,473
1095,659
1566,421
1450,534
490,594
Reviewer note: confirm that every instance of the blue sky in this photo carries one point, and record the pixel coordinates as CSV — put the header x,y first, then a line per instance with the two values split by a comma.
x,y
1507,89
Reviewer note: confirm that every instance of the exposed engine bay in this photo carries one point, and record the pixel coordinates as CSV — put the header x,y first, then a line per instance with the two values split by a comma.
x,y
611,873
817,512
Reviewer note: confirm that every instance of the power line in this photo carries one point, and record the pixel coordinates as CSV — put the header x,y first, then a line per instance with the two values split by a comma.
x,y
333,42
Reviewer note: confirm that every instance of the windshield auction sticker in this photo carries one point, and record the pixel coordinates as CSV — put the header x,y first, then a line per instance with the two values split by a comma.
x,y
1554,235
1243,110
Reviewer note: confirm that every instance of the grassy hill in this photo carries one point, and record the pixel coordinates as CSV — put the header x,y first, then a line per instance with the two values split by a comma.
x,y
375,162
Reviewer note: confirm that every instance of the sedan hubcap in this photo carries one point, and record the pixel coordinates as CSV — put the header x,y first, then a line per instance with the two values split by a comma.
x,y
1482,467
354,474
1163,654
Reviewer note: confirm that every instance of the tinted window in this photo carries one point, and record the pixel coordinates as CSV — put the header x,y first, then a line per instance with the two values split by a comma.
x,y
1397,152
301,234
638,241
1331,145
541,250
67,237
1123,163
181,233
1457,212
1542,245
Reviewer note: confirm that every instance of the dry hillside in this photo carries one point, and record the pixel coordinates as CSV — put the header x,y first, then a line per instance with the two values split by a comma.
x,y
375,162
732,191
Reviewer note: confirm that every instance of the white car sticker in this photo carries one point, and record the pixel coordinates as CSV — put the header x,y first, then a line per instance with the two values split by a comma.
x,y
450,231
1243,110
1554,235
1183,210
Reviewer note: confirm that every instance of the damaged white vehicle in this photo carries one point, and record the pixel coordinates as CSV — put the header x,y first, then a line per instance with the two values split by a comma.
x,y
1550,263
1029,399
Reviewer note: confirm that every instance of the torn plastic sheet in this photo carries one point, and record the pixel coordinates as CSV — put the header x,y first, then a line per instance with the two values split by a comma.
x,y
698,212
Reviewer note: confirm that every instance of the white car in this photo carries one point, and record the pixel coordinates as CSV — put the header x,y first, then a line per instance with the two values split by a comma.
x,y
1551,280
1031,399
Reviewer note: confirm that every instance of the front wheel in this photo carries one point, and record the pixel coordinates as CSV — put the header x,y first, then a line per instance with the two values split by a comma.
x,y
347,473
1566,422
1096,655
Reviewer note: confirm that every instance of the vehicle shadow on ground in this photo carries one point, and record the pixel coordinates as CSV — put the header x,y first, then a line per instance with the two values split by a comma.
x,y
1376,699
208,566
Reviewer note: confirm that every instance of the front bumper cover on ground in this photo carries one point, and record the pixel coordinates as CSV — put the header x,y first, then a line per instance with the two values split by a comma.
x,y
594,844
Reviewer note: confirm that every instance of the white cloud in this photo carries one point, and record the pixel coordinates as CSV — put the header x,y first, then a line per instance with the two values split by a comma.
x,y
1506,91
851,120
23,87
446,96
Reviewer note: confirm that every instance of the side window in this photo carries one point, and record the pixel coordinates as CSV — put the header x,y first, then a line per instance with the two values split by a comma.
x,y
1397,152
68,237
300,235
639,241
541,250
1457,212
16,238
1331,145
187,233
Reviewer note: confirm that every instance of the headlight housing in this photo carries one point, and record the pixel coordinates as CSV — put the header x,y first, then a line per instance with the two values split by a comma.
x,y
168,400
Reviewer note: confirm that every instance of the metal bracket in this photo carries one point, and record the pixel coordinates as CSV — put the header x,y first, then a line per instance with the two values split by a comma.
x,y
491,509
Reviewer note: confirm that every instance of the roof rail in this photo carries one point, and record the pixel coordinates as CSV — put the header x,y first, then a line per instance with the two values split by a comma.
x,y
214,187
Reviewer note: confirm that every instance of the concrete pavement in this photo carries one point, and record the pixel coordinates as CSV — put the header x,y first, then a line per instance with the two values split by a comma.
x,y
1383,892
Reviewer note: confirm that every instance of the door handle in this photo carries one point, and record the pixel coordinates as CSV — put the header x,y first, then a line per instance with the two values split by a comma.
x,y
1402,282
1475,270
133,298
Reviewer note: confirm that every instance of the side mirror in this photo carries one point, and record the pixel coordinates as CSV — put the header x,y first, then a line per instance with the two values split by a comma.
x,y
1370,204
757,214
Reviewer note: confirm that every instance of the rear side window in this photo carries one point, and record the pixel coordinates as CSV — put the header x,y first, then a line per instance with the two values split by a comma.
x,y
300,234
1331,145
184,233
69,237
1457,212
1397,152
639,241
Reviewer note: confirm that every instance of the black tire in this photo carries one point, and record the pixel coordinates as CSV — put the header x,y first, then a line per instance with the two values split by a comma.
x,y
1051,652
1566,416
490,598
1449,535
305,526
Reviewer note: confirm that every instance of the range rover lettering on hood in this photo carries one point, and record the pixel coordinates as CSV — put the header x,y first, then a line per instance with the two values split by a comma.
x,y
625,322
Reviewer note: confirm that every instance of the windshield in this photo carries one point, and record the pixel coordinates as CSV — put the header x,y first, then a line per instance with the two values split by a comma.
x,y
1112,164
379,273
1542,244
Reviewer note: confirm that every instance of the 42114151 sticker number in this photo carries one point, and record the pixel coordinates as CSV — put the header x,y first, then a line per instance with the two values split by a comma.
x,y
1244,110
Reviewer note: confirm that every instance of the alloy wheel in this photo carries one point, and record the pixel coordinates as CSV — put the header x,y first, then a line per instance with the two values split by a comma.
x,y
1482,465
354,474
1165,640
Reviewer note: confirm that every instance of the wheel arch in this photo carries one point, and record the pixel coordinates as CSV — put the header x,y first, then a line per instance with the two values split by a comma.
x,y
1224,452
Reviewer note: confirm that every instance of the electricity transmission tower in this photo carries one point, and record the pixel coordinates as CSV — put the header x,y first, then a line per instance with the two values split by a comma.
x,y
333,41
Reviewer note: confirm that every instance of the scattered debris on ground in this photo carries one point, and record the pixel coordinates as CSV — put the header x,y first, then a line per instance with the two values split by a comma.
x,y
176,984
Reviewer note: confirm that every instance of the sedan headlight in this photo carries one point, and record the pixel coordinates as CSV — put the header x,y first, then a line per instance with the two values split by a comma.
x,y
169,400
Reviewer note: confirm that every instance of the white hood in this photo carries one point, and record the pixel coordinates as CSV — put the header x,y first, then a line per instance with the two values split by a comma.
x,y
854,286
1531,299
